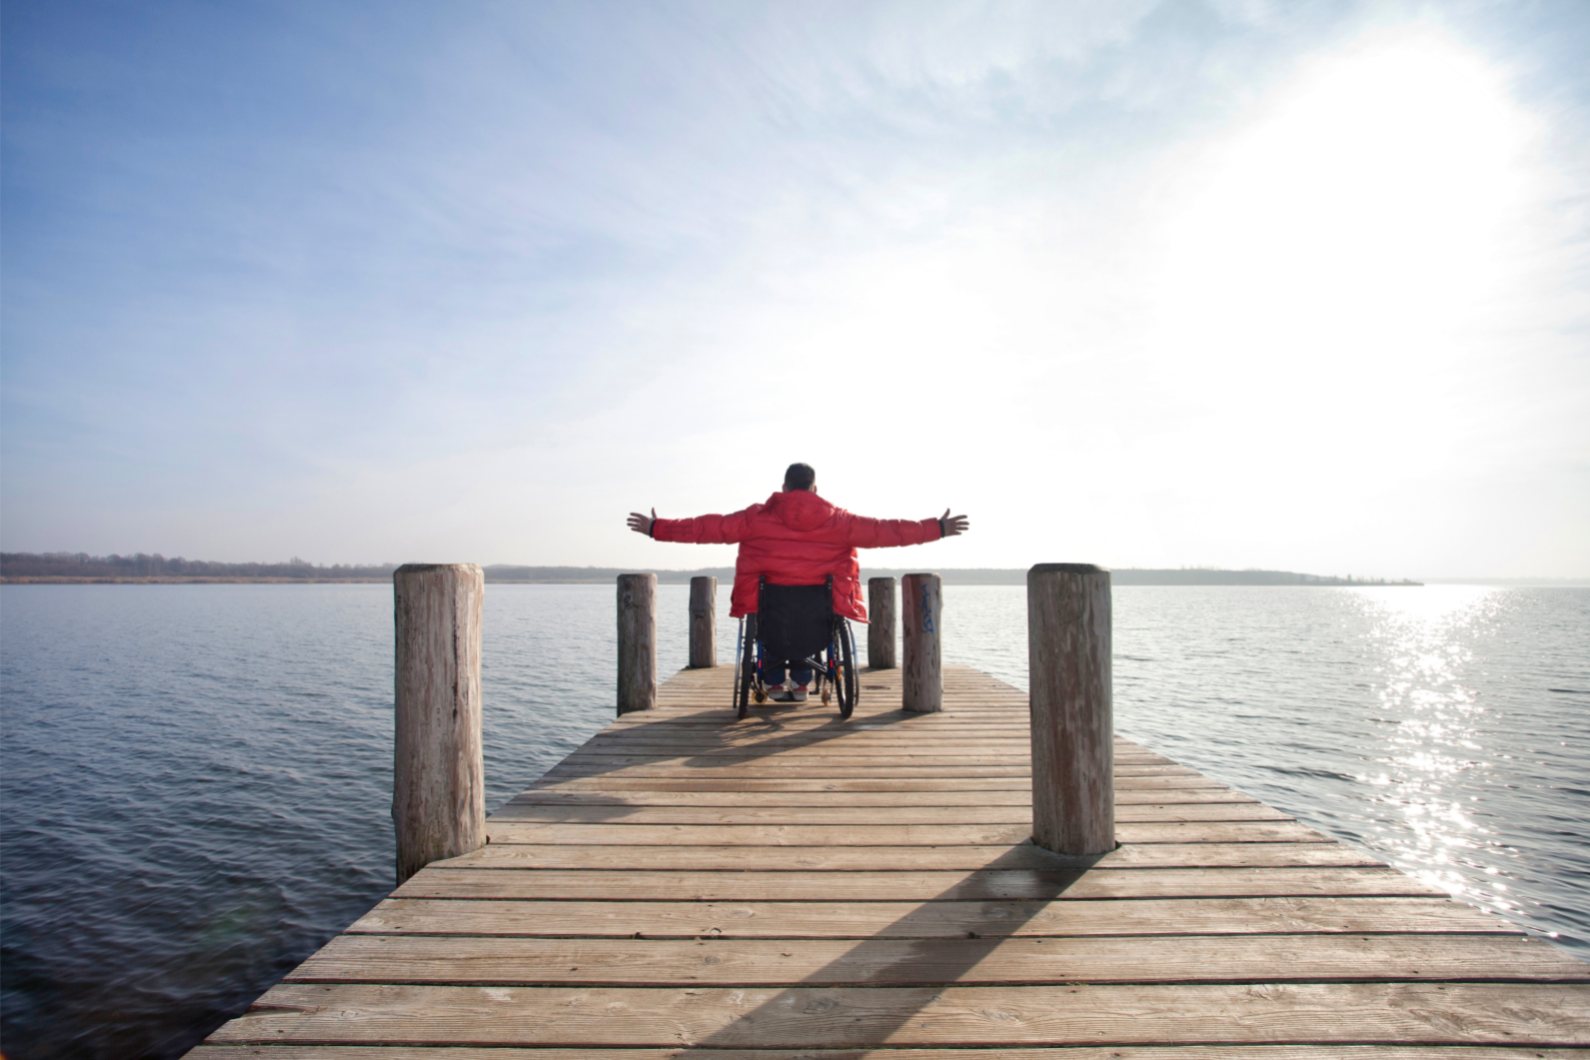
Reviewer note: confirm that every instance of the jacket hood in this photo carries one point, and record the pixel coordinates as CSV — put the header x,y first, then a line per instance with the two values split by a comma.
x,y
800,510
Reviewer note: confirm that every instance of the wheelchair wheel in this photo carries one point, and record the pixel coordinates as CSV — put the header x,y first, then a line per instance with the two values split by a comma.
x,y
745,669
845,666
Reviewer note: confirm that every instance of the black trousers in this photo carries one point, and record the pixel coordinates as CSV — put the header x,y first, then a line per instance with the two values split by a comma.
x,y
793,624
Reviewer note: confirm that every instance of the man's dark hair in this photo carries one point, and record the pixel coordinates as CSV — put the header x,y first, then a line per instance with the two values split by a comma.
x,y
799,477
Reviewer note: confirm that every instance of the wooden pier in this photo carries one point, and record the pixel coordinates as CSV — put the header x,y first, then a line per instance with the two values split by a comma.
x,y
792,885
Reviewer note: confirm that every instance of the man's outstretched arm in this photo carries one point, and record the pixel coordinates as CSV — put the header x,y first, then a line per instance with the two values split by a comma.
x,y
860,531
701,530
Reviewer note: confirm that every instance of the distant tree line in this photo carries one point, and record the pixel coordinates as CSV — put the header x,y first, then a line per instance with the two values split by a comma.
x,y
957,576
80,565
506,573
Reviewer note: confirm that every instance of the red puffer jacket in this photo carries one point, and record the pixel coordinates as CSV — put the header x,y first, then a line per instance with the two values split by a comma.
x,y
797,538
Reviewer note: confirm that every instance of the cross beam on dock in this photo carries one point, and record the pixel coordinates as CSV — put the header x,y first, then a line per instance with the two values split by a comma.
x,y
792,885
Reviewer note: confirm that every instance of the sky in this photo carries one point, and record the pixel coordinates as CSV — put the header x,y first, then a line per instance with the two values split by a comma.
x,y
1233,283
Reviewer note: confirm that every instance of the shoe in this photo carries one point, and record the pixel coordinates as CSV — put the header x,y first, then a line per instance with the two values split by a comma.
x,y
780,694
798,695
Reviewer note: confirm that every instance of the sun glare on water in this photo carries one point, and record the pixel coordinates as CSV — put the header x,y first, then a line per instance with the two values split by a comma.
x,y
1425,642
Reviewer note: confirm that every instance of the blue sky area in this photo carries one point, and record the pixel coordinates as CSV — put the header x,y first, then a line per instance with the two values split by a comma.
x,y
1293,285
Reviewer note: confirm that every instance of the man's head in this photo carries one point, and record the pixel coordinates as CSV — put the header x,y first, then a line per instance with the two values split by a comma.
x,y
799,477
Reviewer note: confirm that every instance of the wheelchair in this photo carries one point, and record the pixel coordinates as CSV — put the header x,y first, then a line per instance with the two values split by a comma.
x,y
797,623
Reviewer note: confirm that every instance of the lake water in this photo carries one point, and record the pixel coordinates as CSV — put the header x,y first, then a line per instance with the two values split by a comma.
x,y
197,779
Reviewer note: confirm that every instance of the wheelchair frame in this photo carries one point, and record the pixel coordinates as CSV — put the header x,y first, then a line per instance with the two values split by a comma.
x,y
834,669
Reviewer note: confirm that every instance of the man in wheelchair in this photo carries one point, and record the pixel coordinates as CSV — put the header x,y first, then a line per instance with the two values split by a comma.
x,y
797,562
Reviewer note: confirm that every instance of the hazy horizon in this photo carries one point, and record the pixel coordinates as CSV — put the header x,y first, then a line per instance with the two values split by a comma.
x,y
1230,283
868,568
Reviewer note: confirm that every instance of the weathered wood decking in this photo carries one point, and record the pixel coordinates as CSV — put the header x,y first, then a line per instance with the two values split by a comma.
x,y
791,885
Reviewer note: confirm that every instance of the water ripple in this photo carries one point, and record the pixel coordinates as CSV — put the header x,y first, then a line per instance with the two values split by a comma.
x,y
1418,723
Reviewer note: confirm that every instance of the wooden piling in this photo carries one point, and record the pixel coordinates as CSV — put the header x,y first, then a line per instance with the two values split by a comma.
x,y
438,776
880,628
703,622
637,642
1068,663
922,609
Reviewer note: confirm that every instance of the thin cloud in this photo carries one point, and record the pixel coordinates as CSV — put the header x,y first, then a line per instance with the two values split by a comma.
x,y
1088,271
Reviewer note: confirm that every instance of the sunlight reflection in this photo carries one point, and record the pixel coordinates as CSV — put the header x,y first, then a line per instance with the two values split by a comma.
x,y
1423,641
1442,727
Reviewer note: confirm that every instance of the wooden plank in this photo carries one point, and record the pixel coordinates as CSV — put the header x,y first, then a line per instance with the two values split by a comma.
x,y
720,723
845,859
501,831
956,745
750,918
928,962
868,765
615,813
846,799
974,750
876,709
926,769
1018,782
995,884
845,733
847,1017
817,769
971,705
874,714
839,734
792,886
1194,1052
872,740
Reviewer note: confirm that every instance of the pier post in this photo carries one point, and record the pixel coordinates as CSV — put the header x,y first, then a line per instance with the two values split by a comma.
x,y
703,623
880,626
1073,751
438,776
637,642
922,610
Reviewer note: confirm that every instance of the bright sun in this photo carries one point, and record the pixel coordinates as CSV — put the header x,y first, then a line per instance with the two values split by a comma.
x,y
1339,244
1371,195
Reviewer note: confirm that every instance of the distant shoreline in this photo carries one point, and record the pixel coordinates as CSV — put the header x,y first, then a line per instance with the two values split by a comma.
x,y
52,579
989,576
78,568
18,568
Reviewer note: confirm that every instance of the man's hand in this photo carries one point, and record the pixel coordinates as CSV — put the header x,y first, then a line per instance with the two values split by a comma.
x,y
953,524
640,523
